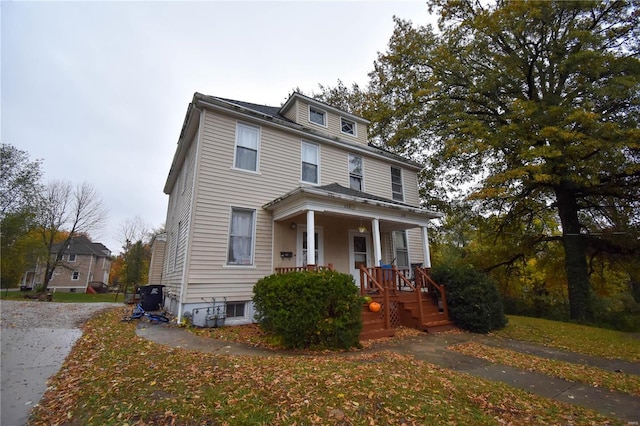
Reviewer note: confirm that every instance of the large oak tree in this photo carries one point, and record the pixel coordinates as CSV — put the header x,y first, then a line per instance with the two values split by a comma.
x,y
530,105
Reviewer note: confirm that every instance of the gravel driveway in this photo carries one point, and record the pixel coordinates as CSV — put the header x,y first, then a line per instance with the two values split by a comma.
x,y
36,339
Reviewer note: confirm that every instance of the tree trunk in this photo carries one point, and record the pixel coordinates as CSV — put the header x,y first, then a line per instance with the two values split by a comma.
x,y
575,262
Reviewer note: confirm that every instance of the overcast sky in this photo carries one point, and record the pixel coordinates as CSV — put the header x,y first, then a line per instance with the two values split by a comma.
x,y
99,90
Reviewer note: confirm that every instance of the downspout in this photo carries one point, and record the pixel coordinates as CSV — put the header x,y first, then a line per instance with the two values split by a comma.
x,y
88,273
187,256
377,247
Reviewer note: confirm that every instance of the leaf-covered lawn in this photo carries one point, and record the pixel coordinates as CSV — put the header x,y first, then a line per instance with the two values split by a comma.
x,y
593,376
114,377
573,337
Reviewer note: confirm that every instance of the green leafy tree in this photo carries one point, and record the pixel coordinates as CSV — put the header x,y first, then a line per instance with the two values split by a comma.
x,y
19,188
528,106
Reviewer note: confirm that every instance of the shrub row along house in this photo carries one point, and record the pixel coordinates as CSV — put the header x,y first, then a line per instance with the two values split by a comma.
x,y
255,189
84,268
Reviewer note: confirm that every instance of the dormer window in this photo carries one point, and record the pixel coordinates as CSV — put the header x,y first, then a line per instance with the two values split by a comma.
x,y
317,116
348,126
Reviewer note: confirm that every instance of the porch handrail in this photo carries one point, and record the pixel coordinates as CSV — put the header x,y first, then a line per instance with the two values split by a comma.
x,y
385,294
364,272
315,268
440,287
416,289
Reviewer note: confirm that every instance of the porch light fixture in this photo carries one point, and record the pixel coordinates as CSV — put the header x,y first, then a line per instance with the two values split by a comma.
x,y
293,225
362,229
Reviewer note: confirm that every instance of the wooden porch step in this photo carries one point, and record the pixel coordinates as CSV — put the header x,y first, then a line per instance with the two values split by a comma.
x,y
377,334
437,326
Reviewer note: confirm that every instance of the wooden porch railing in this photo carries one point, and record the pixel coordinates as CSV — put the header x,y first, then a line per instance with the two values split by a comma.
x,y
315,268
426,281
388,282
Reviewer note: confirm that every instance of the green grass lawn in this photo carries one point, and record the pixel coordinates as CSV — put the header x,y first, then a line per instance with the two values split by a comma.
x,y
573,337
66,297
113,377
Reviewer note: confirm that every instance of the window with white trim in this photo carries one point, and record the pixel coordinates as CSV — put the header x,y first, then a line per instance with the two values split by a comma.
x,y
401,249
317,116
355,172
396,184
72,258
348,126
235,309
247,147
310,163
241,237
75,276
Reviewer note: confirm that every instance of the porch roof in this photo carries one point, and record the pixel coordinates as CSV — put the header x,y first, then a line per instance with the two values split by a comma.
x,y
336,192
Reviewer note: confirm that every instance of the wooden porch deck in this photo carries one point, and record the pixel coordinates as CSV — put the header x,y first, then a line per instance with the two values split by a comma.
x,y
409,298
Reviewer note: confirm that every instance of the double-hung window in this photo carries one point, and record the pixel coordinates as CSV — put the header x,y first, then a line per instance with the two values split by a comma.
x,y
75,276
396,184
317,116
355,172
241,237
247,147
310,163
401,249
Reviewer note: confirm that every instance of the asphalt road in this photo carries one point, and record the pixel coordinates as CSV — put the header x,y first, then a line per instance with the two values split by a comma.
x,y
36,338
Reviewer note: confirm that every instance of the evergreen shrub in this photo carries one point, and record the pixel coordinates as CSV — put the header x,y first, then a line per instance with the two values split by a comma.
x,y
320,310
473,298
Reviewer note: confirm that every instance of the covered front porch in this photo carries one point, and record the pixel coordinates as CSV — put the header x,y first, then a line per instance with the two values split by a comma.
x,y
383,244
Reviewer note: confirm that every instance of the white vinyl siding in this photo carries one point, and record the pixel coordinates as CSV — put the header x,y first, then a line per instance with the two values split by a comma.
x,y
247,154
219,188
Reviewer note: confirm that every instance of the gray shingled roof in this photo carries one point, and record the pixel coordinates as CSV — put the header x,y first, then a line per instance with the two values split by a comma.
x,y
81,245
339,189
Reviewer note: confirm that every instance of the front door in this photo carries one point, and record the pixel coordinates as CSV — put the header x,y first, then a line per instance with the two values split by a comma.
x,y
359,253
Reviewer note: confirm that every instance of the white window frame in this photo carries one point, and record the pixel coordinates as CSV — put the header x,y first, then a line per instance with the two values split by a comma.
x,y
75,275
301,258
317,148
395,248
252,255
235,304
355,175
236,146
393,193
353,123
74,257
318,111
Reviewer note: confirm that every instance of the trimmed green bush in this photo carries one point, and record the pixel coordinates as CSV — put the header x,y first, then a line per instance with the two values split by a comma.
x,y
310,309
473,298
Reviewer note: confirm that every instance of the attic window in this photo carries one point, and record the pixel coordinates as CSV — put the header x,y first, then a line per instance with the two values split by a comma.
x,y
317,116
347,126
72,258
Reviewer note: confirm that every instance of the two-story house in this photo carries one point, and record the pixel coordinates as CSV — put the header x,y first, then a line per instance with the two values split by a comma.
x,y
254,189
84,268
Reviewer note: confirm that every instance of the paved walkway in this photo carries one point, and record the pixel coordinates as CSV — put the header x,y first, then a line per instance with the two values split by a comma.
x,y
433,348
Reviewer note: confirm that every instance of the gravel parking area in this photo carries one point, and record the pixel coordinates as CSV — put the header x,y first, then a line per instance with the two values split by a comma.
x,y
36,339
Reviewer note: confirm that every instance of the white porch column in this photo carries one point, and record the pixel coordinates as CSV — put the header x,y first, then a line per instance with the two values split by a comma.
x,y
425,247
377,250
311,238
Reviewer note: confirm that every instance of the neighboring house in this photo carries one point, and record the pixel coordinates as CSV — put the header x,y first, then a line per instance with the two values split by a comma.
x,y
256,189
158,246
84,269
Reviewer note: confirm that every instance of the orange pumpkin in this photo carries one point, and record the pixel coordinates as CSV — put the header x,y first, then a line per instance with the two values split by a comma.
x,y
374,307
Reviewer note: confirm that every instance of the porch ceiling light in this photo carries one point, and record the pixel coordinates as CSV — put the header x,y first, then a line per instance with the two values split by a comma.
x,y
362,229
